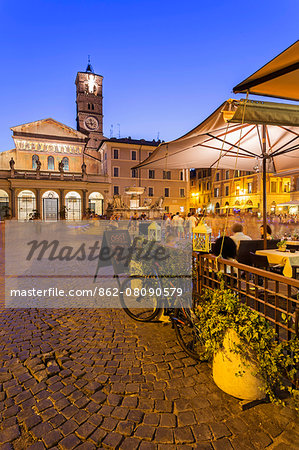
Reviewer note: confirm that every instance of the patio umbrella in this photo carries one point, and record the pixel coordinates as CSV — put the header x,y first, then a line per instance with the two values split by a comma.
x,y
240,134
277,78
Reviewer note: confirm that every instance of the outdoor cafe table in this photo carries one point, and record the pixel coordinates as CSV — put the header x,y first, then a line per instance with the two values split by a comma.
x,y
286,259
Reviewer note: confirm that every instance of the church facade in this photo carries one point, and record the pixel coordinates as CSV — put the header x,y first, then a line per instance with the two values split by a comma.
x,y
55,171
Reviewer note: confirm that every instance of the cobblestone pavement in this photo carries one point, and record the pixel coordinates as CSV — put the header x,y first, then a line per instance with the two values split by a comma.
x,y
96,379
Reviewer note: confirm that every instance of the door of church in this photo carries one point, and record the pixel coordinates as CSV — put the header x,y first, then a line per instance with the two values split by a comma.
x,y
50,209
73,206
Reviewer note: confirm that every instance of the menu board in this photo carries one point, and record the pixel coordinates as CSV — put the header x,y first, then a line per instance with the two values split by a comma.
x,y
115,246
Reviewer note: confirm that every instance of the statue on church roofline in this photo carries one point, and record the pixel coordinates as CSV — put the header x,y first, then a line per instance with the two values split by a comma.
x,y
12,164
38,165
61,166
83,168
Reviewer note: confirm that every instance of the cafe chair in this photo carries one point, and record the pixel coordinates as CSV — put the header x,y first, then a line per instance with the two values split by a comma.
x,y
261,262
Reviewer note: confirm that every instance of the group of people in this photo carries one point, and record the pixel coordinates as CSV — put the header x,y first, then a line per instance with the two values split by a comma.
x,y
227,246
179,225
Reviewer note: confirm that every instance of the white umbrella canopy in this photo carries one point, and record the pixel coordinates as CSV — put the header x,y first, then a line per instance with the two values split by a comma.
x,y
232,137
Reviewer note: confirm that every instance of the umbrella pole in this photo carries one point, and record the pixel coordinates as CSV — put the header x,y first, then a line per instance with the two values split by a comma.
x,y
264,186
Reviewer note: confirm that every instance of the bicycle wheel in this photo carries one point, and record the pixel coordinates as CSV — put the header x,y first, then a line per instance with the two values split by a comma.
x,y
138,301
188,335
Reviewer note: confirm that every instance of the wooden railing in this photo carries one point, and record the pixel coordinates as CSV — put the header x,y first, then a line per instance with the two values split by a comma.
x,y
273,296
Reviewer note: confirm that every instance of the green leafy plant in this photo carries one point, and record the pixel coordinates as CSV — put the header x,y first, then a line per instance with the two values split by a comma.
x,y
220,311
281,244
35,215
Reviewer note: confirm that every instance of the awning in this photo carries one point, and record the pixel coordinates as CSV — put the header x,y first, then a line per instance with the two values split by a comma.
x,y
231,138
278,78
290,203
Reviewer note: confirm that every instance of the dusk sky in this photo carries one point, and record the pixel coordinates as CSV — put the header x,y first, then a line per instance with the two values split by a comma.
x,y
166,64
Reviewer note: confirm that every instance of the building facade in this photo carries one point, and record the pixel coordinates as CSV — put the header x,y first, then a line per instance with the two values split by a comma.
x,y
221,191
121,155
55,172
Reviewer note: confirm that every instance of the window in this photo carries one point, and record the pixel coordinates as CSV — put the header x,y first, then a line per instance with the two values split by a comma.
x,y
208,186
216,192
166,175
65,161
273,186
133,155
92,106
181,175
199,186
151,174
287,187
116,190
217,176
115,153
199,174
50,163
182,193
150,192
237,173
166,209
226,190
227,174
166,192
134,173
35,158
204,173
249,188
88,105
115,171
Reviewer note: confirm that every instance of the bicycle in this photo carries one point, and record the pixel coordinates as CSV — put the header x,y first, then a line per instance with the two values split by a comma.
x,y
183,319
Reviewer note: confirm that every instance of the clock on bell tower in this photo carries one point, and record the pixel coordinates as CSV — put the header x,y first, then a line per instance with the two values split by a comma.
x,y
89,100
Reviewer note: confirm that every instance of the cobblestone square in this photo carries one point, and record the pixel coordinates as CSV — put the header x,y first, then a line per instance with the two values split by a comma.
x,y
86,379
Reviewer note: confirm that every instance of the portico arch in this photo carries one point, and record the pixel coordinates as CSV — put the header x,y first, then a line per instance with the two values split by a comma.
x,y
26,204
95,203
4,204
73,206
50,206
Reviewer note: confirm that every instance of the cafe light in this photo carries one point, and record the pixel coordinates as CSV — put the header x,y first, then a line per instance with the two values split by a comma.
x,y
202,238
154,232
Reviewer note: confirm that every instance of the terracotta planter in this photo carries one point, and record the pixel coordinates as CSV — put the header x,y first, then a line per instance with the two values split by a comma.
x,y
234,374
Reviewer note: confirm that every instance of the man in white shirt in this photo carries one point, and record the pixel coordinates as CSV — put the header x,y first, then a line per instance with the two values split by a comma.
x,y
238,235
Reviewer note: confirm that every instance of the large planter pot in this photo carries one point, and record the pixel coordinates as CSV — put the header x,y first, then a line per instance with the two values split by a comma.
x,y
234,374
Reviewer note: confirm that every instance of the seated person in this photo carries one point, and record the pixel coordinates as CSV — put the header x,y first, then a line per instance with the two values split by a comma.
x,y
227,249
226,246
238,235
269,232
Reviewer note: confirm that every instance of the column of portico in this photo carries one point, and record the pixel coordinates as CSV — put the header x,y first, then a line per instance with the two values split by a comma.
x,y
13,202
61,201
38,205
84,191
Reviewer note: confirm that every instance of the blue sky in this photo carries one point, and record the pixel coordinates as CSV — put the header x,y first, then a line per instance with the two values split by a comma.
x,y
166,64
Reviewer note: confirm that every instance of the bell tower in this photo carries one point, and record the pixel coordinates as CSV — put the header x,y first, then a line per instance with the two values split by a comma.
x,y
89,100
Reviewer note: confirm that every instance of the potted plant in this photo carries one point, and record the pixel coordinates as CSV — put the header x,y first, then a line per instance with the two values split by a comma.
x,y
35,215
5,212
282,245
248,361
